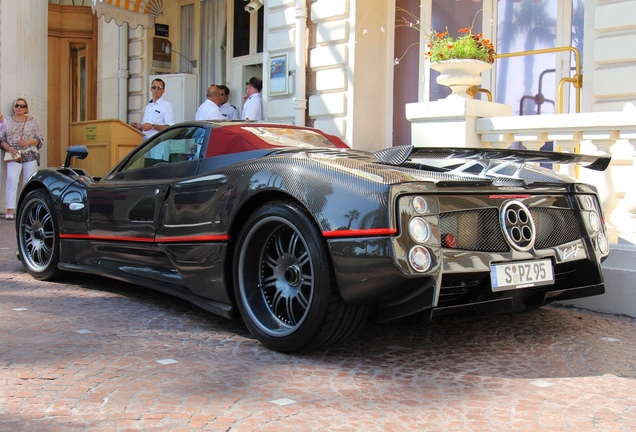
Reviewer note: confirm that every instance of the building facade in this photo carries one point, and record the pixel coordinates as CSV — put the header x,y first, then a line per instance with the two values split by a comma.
x,y
340,57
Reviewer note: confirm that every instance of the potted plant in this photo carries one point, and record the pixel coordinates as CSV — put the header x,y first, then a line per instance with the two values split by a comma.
x,y
467,46
459,60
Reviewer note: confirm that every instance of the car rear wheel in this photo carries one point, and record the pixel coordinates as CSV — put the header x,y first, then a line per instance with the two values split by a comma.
x,y
284,285
38,236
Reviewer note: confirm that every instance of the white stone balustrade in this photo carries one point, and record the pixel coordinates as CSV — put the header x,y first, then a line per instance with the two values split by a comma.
x,y
592,132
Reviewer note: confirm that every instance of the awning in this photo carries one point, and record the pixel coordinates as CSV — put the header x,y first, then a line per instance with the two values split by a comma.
x,y
134,12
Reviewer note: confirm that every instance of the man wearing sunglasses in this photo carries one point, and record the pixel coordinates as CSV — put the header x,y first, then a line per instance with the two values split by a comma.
x,y
158,114
228,110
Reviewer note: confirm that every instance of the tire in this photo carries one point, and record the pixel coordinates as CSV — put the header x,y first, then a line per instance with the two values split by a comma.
x,y
38,236
283,282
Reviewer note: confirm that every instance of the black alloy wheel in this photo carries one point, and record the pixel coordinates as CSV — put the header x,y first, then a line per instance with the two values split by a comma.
x,y
38,236
284,285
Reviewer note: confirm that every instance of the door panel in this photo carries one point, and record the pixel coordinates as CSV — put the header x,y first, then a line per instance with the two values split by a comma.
x,y
127,204
124,210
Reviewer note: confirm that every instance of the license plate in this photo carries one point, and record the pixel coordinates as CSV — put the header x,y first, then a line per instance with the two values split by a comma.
x,y
525,274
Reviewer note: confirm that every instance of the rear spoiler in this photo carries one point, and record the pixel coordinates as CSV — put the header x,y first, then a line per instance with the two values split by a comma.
x,y
400,154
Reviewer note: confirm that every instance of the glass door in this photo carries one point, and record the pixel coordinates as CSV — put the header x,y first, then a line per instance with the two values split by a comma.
x,y
529,82
78,81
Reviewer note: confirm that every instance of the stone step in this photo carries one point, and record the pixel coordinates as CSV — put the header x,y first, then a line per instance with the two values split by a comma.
x,y
619,272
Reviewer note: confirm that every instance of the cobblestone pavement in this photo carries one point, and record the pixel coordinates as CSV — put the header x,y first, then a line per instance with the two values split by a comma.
x,y
93,354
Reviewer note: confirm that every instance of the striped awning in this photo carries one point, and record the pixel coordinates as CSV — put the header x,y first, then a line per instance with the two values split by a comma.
x,y
134,12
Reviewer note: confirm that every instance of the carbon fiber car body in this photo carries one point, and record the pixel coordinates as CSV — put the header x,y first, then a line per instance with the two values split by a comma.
x,y
172,226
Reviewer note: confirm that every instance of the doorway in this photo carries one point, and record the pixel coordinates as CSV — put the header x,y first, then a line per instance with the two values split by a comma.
x,y
72,75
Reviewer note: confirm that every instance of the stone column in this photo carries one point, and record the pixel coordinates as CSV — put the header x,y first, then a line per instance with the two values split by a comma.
x,y
532,141
567,142
603,141
630,195
23,64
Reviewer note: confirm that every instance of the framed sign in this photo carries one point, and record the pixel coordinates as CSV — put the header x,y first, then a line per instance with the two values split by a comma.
x,y
161,48
278,73
162,30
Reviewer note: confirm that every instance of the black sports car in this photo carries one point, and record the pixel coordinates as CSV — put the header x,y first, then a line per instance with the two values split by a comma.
x,y
308,239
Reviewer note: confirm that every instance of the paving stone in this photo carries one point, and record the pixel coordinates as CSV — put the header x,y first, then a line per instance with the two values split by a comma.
x,y
549,369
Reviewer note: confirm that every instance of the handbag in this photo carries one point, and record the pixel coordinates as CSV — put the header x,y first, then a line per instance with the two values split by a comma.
x,y
8,157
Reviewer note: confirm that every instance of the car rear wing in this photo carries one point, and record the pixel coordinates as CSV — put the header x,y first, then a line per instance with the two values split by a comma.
x,y
486,157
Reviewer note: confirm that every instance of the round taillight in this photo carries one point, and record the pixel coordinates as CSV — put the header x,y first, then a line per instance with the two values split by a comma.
x,y
601,242
595,221
420,230
420,258
420,205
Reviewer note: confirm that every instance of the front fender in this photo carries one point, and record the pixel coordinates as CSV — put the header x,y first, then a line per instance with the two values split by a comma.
x,y
68,193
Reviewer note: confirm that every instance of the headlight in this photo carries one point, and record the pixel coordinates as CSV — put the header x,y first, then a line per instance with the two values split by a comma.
x,y
419,229
420,258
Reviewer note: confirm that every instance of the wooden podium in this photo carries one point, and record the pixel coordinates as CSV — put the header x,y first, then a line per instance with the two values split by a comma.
x,y
107,140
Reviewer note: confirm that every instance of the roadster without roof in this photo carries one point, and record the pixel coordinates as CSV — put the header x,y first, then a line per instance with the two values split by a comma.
x,y
307,239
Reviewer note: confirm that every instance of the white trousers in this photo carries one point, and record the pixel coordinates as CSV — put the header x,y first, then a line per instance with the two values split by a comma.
x,y
13,179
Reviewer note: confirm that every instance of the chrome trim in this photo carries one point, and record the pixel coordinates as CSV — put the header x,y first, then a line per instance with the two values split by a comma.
x,y
517,226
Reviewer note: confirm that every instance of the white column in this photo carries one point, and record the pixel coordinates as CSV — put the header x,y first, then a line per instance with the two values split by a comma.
x,y
603,141
566,142
24,64
532,141
300,96
497,140
630,194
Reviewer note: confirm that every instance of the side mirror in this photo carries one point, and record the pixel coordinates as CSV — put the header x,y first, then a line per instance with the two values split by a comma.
x,y
79,152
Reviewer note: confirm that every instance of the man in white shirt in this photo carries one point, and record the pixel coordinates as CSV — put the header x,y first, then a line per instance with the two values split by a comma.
x,y
209,109
158,114
253,106
229,111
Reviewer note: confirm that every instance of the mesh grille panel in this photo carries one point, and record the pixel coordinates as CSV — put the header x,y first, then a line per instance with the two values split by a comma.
x,y
473,230
479,230
554,226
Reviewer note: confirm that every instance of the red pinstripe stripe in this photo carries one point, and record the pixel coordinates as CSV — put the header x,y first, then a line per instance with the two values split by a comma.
x,y
360,233
145,239
225,237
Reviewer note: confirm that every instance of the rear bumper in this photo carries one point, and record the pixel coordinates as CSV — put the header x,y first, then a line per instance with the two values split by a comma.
x,y
368,273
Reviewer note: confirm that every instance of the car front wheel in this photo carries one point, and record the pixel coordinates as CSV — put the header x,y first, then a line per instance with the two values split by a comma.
x,y
38,236
284,285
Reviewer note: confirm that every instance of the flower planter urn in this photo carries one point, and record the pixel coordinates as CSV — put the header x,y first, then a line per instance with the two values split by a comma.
x,y
460,74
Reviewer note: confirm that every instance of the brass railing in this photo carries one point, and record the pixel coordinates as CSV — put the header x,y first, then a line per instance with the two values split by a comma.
x,y
576,80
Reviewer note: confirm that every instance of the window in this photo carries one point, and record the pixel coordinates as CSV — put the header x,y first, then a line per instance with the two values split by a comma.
x,y
178,145
186,42
78,81
248,30
527,83
213,44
